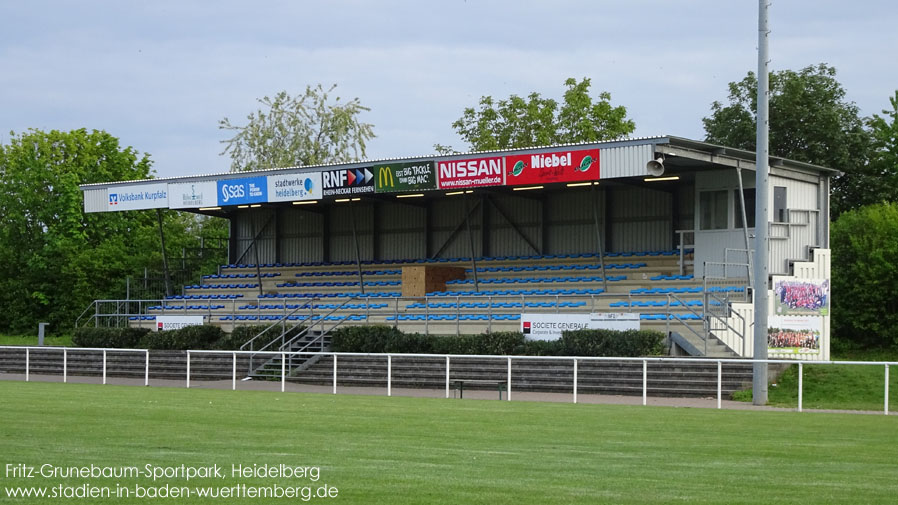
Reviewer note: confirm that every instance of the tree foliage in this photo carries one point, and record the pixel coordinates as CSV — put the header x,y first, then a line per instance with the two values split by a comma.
x,y
865,276
538,121
810,121
54,258
884,158
307,129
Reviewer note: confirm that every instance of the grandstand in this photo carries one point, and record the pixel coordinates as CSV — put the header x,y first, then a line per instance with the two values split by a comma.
x,y
652,226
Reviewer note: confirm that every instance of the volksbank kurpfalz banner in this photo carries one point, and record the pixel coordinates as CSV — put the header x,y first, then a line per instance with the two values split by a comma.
x,y
192,195
295,187
471,173
242,191
557,166
137,197
406,176
347,182
551,326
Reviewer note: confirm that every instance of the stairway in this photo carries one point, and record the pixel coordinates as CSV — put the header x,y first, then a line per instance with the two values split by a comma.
x,y
270,366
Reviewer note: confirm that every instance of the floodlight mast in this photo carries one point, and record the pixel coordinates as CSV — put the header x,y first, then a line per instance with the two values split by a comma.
x,y
762,228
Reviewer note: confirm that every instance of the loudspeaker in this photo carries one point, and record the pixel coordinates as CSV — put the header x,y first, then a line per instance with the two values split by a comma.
x,y
655,167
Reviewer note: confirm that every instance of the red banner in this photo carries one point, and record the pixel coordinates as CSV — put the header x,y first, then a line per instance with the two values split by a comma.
x,y
558,166
470,173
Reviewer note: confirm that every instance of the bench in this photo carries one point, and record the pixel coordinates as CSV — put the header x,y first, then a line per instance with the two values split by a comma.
x,y
459,385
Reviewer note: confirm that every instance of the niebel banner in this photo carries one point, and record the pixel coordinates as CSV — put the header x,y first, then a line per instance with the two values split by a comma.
x,y
407,176
471,173
556,166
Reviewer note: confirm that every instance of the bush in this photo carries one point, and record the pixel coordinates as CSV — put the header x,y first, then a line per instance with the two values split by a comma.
x,y
865,277
122,338
386,339
611,343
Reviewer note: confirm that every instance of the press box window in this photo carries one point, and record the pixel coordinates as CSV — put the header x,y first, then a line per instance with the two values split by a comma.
x,y
749,195
713,209
780,212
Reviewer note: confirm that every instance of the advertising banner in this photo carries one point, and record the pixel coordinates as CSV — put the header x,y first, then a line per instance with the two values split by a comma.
x,y
550,326
138,197
176,322
410,176
471,173
192,195
794,334
242,191
557,166
793,296
347,182
295,187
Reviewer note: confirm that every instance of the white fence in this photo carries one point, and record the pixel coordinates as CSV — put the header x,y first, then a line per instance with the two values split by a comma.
x,y
448,358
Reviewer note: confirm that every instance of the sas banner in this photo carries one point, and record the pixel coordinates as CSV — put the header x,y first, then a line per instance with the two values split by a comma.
x,y
289,188
558,166
137,197
242,191
407,176
471,173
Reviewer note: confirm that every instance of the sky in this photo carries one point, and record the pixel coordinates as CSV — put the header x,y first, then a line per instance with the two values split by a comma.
x,y
160,75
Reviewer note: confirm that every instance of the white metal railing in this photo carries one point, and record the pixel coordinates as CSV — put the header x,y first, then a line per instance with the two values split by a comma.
x,y
390,356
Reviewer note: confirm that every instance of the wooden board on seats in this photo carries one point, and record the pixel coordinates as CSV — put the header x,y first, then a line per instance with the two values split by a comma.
x,y
418,280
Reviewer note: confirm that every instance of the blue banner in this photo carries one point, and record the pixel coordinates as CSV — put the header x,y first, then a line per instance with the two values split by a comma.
x,y
242,191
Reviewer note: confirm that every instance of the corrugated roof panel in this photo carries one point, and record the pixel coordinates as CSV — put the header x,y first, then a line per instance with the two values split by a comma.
x,y
625,161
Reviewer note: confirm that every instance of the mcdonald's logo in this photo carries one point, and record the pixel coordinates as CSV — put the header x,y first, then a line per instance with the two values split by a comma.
x,y
385,177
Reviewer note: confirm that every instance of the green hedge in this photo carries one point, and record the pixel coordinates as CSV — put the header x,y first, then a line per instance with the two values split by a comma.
x,y
386,339
189,337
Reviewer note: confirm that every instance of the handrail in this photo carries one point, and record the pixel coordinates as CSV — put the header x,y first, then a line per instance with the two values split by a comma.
x,y
285,317
92,304
725,322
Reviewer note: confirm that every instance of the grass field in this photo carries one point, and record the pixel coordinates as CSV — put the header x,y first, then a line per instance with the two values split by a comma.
x,y
63,341
847,387
409,450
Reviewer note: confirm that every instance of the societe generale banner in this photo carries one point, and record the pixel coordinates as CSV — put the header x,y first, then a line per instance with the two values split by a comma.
x,y
557,166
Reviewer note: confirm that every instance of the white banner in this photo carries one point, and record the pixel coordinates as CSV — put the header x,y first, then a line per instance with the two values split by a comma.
x,y
192,195
294,187
137,197
176,322
550,326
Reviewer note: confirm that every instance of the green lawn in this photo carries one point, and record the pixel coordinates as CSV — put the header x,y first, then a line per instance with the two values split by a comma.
x,y
847,387
62,341
378,450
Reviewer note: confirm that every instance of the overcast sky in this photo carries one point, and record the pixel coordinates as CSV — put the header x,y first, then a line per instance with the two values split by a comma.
x,y
159,75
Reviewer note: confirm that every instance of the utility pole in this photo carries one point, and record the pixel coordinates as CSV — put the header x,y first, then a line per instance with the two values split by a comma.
x,y
762,228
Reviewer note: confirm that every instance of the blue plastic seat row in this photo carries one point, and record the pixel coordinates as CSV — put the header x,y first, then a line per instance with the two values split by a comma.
x,y
518,292
671,317
673,277
352,317
536,280
337,284
348,272
541,268
664,291
142,318
204,297
240,276
453,317
390,294
640,303
186,307
728,289
222,286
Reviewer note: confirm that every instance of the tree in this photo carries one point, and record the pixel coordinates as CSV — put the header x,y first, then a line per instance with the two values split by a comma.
x,y
307,129
810,121
538,121
54,258
884,162
865,276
